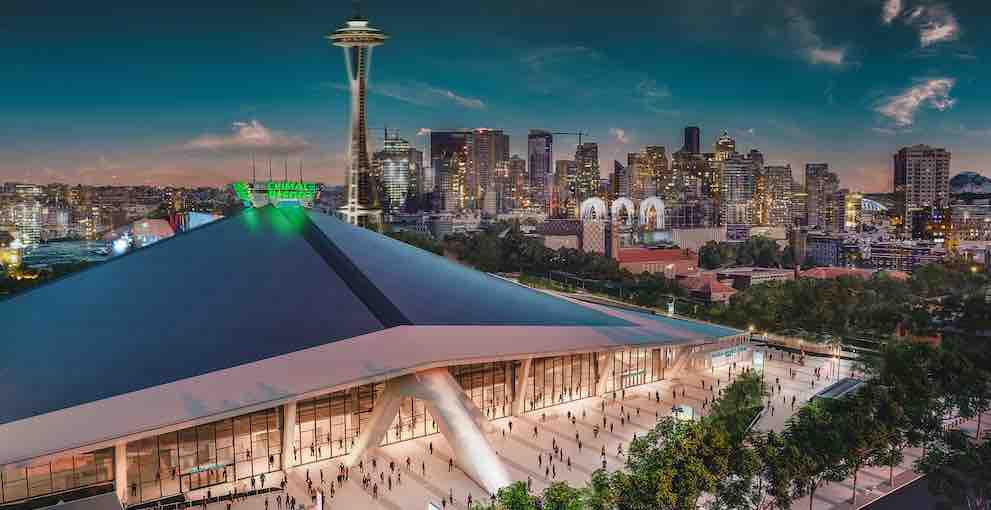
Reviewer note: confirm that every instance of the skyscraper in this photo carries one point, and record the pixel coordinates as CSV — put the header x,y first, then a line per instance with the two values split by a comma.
x,y
820,185
399,168
540,155
776,209
488,148
587,180
655,177
725,147
737,190
357,39
478,151
693,136
619,181
921,179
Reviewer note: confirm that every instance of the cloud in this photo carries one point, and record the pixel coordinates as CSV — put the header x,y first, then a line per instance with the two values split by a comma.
x,y
539,59
833,56
751,131
423,132
810,44
648,89
620,135
249,138
467,102
426,95
935,24
933,92
890,10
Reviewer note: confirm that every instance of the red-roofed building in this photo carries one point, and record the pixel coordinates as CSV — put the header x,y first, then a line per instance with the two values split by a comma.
x,y
829,273
706,286
670,262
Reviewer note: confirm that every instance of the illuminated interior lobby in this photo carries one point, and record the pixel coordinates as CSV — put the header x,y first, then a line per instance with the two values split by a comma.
x,y
280,337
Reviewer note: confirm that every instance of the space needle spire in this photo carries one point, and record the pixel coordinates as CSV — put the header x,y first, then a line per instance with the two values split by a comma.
x,y
357,38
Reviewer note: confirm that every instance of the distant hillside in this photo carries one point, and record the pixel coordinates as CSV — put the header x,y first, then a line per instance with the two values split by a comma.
x,y
970,182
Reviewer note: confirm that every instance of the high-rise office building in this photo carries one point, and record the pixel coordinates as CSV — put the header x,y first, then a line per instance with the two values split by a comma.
x,y
921,180
737,190
587,180
399,169
564,188
776,206
686,177
619,181
820,184
656,177
725,147
511,183
693,140
540,155
478,151
357,38
489,147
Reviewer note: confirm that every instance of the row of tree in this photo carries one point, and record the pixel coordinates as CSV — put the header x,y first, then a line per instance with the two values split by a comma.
x,y
717,463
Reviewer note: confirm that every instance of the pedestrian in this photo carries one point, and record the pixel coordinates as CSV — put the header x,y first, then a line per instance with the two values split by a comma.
x,y
450,465
510,426
431,445
423,467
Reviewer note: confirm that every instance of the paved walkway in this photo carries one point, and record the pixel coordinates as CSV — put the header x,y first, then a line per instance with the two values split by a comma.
x,y
553,453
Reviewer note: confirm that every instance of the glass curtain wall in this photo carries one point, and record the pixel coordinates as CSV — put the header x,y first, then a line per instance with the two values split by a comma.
x,y
209,454
59,475
560,379
633,367
488,385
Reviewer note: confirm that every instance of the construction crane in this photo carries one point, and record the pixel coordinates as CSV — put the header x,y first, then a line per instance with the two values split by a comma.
x,y
579,134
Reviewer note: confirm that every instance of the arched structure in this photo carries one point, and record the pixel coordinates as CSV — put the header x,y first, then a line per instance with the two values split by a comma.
x,y
652,208
593,208
617,207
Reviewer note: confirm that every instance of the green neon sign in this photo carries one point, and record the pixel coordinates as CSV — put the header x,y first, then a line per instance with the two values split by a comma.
x,y
305,191
242,192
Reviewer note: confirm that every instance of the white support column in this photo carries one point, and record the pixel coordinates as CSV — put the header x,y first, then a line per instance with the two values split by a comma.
x,y
289,436
476,457
384,413
120,473
480,419
520,394
605,364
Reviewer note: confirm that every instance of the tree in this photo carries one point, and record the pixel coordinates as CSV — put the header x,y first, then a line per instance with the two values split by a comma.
x,y
672,466
960,470
860,433
812,454
597,493
513,497
561,496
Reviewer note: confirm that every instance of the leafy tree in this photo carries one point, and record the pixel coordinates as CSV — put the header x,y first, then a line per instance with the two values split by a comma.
x,y
960,470
747,484
860,433
598,493
561,496
813,453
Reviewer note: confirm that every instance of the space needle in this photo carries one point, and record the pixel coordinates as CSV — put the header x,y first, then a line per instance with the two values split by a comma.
x,y
357,38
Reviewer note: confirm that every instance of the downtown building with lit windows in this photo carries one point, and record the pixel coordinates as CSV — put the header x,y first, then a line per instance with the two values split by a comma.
x,y
279,337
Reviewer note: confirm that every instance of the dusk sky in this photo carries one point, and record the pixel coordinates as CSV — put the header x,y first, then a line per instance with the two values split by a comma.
x,y
118,92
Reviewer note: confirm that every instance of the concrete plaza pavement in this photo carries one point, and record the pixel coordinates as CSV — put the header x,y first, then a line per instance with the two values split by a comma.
x,y
532,458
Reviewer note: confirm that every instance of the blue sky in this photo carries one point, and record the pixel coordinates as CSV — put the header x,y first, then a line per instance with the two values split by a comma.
x,y
106,92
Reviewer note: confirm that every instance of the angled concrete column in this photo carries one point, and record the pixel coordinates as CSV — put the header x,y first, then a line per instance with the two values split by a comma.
x,y
441,394
605,366
384,413
458,419
120,473
521,388
289,437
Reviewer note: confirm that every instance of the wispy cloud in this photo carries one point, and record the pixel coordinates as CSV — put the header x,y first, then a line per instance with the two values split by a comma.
x,y
932,92
422,94
935,24
835,56
619,134
247,138
810,44
890,10
467,102
423,132
540,59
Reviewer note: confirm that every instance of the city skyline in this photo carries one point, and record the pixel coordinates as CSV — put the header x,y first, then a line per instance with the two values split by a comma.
x,y
804,82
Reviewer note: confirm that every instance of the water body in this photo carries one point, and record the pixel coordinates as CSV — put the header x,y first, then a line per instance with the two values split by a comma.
x,y
64,252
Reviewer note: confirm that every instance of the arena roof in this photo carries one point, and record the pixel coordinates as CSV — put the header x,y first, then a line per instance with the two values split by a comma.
x,y
260,307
